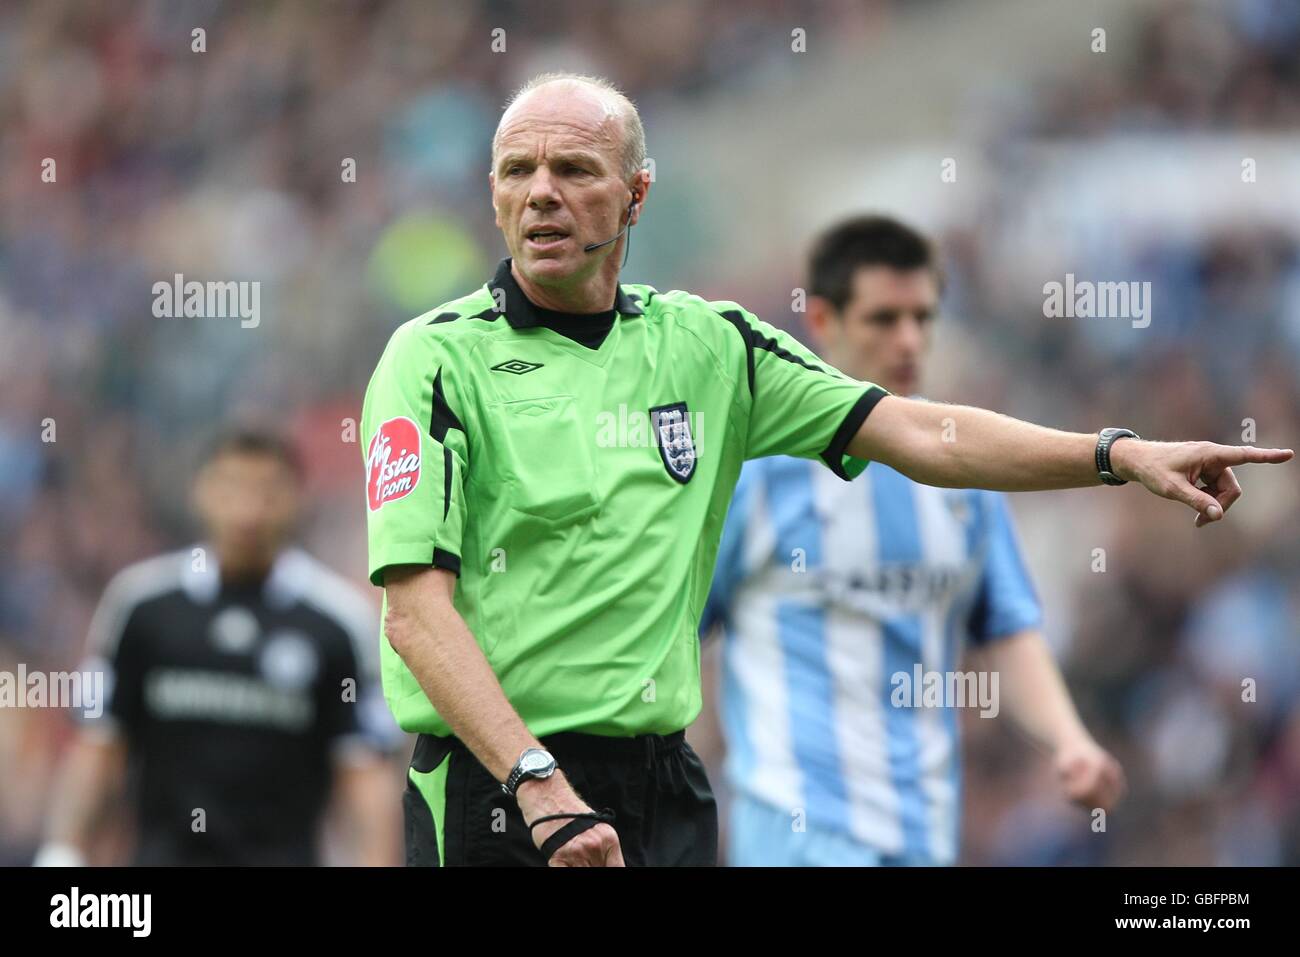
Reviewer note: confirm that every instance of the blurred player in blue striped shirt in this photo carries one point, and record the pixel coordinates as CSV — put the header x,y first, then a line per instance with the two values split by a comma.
x,y
849,608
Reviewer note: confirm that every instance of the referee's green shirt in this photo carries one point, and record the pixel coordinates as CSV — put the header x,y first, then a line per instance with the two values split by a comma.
x,y
579,488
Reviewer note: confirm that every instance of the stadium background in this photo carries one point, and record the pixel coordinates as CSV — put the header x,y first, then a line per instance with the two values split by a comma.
x,y
1122,165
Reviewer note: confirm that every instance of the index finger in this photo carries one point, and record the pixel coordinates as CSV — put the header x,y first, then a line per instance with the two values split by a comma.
x,y
1242,454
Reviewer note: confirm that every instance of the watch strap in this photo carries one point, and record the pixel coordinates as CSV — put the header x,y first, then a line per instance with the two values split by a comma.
x,y
1105,439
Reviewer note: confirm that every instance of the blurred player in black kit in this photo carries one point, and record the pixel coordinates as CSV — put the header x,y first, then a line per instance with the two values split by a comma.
x,y
241,694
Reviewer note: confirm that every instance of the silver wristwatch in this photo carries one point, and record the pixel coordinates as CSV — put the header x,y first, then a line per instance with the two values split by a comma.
x,y
533,763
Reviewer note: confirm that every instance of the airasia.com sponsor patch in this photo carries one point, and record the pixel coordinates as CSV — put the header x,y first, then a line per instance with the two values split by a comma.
x,y
392,462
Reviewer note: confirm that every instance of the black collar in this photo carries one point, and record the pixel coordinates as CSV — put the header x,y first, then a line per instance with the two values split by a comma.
x,y
520,311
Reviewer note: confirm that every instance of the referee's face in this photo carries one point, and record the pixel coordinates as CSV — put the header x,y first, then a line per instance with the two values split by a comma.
x,y
557,185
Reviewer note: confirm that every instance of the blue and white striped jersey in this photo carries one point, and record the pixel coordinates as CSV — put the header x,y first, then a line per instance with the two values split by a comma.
x,y
826,589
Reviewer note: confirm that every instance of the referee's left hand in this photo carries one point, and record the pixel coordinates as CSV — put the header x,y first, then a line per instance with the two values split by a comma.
x,y
1173,470
595,847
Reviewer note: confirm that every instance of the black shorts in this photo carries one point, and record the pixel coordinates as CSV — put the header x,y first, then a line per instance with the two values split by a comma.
x,y
456,813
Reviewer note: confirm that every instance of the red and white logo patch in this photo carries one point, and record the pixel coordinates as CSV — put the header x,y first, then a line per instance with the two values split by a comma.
x,y
392,462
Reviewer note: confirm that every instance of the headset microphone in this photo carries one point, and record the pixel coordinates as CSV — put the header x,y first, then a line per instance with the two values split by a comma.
x,y
592,247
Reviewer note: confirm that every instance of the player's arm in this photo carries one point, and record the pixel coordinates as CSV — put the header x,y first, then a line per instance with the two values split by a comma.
x,y
87,786
363,740
1005,629
434,641
93,775
957,446
366,795
1033,694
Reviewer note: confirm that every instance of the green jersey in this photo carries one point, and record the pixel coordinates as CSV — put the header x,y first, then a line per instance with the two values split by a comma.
x,y
575,473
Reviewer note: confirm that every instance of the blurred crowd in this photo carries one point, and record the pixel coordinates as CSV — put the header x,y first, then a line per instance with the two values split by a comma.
x,y
1231,66
226,156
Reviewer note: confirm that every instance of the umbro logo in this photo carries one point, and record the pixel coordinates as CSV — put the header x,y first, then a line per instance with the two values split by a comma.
x,y
516,366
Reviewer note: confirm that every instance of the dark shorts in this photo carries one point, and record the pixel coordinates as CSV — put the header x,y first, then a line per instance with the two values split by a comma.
x,y
456,813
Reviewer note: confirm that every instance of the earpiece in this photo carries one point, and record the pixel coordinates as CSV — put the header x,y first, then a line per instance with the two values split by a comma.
x,y
592,247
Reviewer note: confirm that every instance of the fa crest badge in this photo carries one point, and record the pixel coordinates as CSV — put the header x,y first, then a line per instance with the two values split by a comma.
x,y
671,425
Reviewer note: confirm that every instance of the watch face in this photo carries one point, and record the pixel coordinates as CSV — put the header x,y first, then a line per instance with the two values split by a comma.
x,y
536,761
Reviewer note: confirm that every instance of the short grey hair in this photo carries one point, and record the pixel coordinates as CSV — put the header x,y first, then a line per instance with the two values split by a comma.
x,y
615,99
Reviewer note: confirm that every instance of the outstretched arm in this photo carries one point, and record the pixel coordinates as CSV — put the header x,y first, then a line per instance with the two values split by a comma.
x,y
955,446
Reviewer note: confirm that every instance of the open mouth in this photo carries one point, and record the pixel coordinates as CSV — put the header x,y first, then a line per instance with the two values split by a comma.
x,y
548,236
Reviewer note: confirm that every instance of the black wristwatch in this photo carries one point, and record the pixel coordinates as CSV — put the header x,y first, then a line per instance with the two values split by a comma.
x,y
533,763
1105,440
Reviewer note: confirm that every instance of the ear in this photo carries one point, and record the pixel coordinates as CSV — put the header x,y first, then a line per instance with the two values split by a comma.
x,y
492,188
640,190
819,319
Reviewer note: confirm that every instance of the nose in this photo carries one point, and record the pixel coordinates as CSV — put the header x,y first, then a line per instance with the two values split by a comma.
x,y
247,518
911,335
542,193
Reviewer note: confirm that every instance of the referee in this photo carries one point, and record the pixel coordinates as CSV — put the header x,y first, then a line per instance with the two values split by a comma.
x,y
549,462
